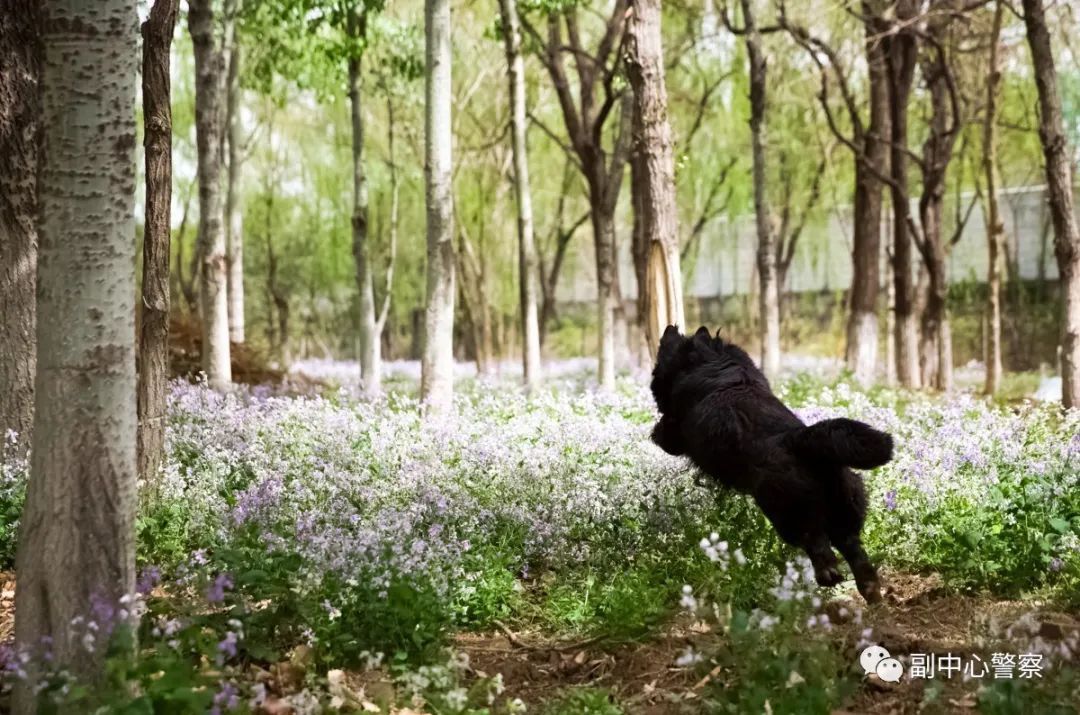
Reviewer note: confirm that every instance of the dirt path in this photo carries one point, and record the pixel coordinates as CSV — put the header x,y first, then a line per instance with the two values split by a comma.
x,y
916,617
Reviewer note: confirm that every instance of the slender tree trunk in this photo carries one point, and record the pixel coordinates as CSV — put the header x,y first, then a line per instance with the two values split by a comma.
x,y
995,228
527,262
890,320
862,330
938,151
395,195
20,110
1060,190
153,354
604,240
234,217
903,59
437,365
654,183
768,297
77,540
213,278
936,347
370,369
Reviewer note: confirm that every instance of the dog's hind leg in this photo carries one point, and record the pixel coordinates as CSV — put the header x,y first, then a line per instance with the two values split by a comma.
x,y
866,576
826,567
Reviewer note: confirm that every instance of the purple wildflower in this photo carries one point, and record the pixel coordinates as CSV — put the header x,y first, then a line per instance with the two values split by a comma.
x,y
149,577
216,592
225,699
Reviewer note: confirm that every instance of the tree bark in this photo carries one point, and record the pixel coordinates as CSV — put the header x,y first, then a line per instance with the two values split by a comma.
x,y
388,276
370,359
768,296
1059,189
902,48
654,182
437,365
20,110
77,544
153,354
872,162
213,277
527,261
938,149
995,228
234,217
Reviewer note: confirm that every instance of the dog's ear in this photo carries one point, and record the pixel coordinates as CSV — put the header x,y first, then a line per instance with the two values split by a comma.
x,y
702,332
671,335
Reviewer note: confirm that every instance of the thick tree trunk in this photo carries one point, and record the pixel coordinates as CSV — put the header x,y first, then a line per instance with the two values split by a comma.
x,y
527,261
1060,191
769,299
862,330
654,182
995,228
213,278
437,365
153,354
902,60
77,541
20,109
234,217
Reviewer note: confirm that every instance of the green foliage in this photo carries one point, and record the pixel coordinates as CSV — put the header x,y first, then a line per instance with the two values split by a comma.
x,y
584,701
14,468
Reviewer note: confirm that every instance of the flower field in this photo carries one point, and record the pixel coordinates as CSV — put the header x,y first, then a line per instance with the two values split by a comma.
x,y
362,534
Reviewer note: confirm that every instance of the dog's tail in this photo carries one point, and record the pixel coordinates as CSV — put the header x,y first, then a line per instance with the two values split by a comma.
x,y
843,441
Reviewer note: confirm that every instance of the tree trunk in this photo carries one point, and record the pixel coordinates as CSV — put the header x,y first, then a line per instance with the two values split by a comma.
x,y
20,109
395,193
234,217
902,61
437,365
890,318
370,369
77,541
654,181
1059,187
585,130
862,330
995,228
213,277
768,297
527,262
938,149
153,354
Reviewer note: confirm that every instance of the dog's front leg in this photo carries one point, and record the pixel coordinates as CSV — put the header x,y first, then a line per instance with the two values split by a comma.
x,y
826,567
668,437
866,576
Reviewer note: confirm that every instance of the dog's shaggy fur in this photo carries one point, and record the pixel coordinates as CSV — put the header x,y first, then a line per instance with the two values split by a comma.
x,y
717,409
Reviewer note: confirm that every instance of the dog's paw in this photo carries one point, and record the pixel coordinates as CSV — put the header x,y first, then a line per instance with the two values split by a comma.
x,y
828,576
870,589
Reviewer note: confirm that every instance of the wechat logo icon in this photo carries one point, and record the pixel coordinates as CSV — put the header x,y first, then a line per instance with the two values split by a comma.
x,y
875,659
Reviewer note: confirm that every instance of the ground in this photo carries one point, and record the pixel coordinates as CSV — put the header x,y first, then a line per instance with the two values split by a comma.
x,y
918,615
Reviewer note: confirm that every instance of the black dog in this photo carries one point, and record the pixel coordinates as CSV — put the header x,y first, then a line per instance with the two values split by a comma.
x,y
717,408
